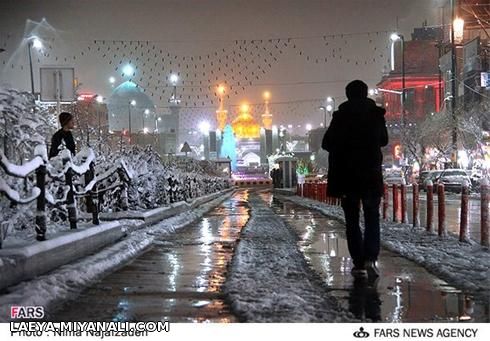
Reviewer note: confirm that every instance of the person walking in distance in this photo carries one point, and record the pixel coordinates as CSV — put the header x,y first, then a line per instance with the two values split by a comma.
x,y
354,140
63,136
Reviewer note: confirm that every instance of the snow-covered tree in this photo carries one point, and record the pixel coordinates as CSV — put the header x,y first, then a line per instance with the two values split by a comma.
x,y
23,124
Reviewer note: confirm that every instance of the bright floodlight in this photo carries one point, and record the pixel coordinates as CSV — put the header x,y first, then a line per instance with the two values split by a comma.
x,y
290,126
329,107
458,25
133,102
99,99
371,92
329,99
267,95
147,111
204,127
37,43
308,127
145,130
221,89
174,78
128,70
395,37
112,80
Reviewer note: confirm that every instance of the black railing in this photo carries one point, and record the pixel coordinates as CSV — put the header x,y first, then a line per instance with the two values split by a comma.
x,y
42,167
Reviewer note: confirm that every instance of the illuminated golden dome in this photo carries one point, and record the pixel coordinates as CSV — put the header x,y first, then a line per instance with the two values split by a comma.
x,y
244,125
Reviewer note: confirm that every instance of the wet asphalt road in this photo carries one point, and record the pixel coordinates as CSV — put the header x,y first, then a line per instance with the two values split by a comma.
x,y
179,278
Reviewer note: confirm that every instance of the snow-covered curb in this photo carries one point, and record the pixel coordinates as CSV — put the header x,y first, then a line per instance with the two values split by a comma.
x,y
464,265
269,279
68,280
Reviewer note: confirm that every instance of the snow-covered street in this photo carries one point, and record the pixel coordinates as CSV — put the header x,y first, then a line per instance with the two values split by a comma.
x,y
255,257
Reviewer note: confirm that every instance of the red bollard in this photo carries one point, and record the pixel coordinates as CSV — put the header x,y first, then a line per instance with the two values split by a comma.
x,y
485,201
403,194
430,206
395,203
386,203
415,205
463,221
319,193
441,197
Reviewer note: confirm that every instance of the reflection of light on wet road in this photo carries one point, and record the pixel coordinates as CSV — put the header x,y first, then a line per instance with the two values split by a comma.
x,y
404,293
174,270
179,278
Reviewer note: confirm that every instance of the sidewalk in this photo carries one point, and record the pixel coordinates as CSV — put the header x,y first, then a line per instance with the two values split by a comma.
x,y
464,265
22,260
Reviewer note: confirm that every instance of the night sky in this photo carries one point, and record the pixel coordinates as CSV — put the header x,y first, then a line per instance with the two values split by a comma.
x,y
301,51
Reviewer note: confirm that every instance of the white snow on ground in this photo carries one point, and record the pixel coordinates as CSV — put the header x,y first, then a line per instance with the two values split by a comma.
x,y
69,280
269,279
464,265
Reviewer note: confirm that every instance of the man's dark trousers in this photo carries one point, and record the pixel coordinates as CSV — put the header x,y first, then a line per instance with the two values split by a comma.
x,y
367,248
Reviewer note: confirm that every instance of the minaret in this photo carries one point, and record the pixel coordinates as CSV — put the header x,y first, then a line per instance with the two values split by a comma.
x,y
221,114
267,116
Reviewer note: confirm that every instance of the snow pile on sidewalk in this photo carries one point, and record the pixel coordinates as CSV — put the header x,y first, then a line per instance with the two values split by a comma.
x,y
464,265
69,280
269,279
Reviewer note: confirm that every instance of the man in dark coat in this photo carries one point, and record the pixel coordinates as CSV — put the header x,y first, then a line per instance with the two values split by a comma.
x,y
63,135
354,140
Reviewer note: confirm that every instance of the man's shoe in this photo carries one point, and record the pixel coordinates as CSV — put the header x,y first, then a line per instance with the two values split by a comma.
x,y
359,272
40,237
371,268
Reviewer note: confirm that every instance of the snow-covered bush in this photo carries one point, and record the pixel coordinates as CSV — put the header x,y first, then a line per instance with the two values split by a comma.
x,y
23,126
156,182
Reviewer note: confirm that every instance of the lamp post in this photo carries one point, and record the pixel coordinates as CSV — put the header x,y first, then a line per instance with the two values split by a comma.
x,y
324,109
394,38
330,106
146,113
33,42
173,80
99,99
455,22
131,103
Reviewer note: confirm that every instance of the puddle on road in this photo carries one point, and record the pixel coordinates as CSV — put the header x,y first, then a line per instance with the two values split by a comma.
x,y
178,279
405,292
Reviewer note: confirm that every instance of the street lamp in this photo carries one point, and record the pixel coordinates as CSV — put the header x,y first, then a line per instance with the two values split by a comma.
x,y
394,38
324,109
221,113
204,127
99,99
36,43
145,113
266,116
128,70
330,104
173,80
131,103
